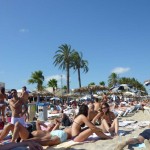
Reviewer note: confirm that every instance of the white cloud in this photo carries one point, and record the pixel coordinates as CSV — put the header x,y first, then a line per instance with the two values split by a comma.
x,y
23,30
120,70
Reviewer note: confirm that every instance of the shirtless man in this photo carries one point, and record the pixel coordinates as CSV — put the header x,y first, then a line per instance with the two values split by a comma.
x,y
25,96
2,103
91,112
143,137
96,104
105,98
16,104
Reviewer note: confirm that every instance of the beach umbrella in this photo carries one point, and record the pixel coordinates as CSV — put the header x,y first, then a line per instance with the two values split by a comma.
x,y
124,87
55,98
95,95
129,93
121,87
147,82
86,97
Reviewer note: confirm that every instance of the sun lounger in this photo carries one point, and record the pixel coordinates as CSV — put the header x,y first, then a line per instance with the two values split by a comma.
x,y
126,123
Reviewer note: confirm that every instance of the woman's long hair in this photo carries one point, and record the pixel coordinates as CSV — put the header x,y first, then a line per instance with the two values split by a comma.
x,y
83,110
2,90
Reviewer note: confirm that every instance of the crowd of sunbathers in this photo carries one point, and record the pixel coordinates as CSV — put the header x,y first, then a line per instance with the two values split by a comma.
x,y
91,117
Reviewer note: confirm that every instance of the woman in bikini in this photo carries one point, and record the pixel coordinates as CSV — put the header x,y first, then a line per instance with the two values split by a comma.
x,y
50,137
2,103
79,134
107,119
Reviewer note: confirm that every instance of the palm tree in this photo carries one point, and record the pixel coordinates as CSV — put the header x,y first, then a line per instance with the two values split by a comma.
x,y
37,78
63,58
92,83
113,79
52,83
133,82
102,83
78,63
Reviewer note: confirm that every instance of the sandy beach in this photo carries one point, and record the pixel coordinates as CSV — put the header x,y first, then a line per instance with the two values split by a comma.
x,y
135,129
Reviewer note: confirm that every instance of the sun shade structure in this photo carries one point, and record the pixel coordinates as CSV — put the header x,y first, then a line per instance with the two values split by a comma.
x,y
91,88
121,87
147,82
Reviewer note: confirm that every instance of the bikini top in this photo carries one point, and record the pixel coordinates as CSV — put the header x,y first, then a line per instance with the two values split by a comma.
x,y
81,125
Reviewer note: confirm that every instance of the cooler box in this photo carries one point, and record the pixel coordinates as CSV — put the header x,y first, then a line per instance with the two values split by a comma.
x,y
42,111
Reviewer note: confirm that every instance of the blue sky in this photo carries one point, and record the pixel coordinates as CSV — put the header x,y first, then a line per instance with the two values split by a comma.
x,y
113,35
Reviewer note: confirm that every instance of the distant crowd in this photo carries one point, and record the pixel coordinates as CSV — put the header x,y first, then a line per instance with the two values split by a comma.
x,y
77,121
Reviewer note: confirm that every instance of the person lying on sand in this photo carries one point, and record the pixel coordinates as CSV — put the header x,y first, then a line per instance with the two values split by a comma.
x,y
145,135
46,138
41,125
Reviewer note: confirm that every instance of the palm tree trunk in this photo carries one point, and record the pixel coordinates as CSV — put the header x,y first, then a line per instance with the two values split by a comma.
x,y
54,91
79,78
68,79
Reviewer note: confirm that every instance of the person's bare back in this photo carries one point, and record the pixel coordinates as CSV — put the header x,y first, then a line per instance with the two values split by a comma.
x,y
25,96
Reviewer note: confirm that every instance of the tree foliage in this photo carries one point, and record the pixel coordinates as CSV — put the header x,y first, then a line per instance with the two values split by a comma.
x,y
37,77
63,58
79,63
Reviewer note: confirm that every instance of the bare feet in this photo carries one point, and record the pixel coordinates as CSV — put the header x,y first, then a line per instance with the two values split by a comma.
x,y
120,146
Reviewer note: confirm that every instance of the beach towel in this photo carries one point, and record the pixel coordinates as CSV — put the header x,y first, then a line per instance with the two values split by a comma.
x,y
140,124
69,143
126,123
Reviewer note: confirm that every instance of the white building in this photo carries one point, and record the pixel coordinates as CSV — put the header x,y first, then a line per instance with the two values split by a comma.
x,y
2,84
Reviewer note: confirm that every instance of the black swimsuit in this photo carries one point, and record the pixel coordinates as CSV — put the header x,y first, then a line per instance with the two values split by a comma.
x,y
30,136
73,137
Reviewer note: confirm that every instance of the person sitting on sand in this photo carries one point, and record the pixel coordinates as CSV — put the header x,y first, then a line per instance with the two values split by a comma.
x,y
91,112
107,119
96,104
145,135
79,134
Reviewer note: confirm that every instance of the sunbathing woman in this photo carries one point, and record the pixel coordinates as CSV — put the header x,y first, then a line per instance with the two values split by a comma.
x,y
45,138
108,121
79,134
